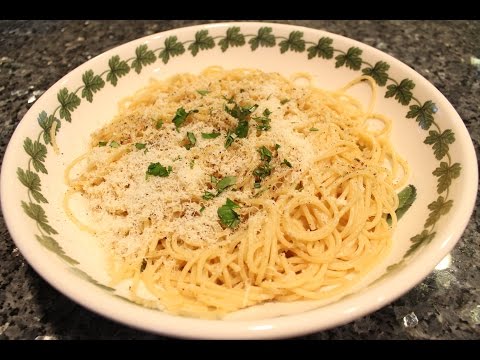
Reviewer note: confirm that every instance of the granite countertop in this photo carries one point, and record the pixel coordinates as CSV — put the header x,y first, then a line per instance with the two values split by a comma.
x,y
35,54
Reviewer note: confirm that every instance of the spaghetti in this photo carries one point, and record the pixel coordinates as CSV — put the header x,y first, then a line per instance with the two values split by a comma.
x,y
234,188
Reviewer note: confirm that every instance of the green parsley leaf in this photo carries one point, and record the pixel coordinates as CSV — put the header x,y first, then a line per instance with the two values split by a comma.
x,y
192,140
140,146
286,162
265,154
226,182
213,179
157,169
202,209
241,113
210,135
180,117
102,143
242,129
262,171
159,124
192,164
257,185
230,138
114,144
277,146
203,92
227,215
207,195
263,122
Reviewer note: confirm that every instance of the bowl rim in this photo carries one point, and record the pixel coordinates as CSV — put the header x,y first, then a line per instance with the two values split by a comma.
x,y
279,327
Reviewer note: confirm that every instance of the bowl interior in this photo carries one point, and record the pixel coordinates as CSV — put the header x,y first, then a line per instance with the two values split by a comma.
x,y
427,132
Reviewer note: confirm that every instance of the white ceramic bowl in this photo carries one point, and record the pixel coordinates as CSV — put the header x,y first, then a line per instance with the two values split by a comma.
x,y
426,131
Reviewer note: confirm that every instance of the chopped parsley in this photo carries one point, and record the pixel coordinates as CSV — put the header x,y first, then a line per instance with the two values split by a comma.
x,y
227,214
203,92
157,169
207,195
192,164
114,144
220,184
159,124
230,138
210,135
284,101
242,129
102,143
140,146
263,122
225,182
241,113
314,129
257,185
262,171
265,154
277,146
181,116
286,162
202,209
192,140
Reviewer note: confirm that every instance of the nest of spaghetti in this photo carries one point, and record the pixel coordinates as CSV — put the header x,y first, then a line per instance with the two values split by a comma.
x,y
215,192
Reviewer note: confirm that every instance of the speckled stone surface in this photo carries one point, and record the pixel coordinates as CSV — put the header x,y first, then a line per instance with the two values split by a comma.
x,y
34,55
